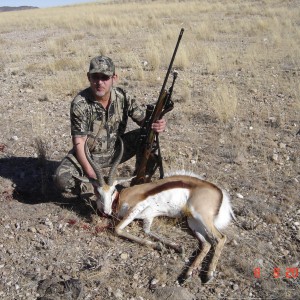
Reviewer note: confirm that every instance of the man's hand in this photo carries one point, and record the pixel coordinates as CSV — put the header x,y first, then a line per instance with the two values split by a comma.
x,y
159,126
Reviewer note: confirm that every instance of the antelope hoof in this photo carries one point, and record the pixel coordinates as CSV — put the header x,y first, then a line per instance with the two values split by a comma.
x,y
209,277
188,275
191,272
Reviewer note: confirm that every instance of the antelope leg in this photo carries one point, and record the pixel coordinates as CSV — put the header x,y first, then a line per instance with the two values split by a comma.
x,y
200,257
132,215
164,241
221,240
200,231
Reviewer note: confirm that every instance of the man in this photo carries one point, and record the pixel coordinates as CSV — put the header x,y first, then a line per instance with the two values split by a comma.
x,y
100,113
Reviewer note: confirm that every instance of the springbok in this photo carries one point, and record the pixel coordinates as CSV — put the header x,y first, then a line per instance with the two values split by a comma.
x,y
205,206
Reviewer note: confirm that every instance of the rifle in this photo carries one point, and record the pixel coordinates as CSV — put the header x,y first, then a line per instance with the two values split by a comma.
x,y
148,138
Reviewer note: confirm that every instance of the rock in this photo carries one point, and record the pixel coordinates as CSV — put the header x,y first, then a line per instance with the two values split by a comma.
x,y
239,195
48,223
282,145
285,252
153,283
42,229
174,293
54,288
124,256
118,294
14,138
235,243
240,159
32,229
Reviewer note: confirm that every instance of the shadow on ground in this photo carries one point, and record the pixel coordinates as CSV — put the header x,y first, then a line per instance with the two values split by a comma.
x,y
32,183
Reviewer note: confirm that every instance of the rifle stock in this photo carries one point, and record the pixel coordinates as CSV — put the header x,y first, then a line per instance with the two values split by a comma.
x,y
149,138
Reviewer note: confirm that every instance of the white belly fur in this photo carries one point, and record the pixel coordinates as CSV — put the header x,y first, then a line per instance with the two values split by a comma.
x,y
168,203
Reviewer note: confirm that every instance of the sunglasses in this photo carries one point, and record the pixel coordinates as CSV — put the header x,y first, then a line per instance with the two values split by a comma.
x,y
99,77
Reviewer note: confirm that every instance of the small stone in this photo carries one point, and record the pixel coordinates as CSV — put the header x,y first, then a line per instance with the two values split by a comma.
x,y
282,145
272,120
118,294
154,281
295,264
124,256
32,229
284,251
14,138
49,223
42,229
234,242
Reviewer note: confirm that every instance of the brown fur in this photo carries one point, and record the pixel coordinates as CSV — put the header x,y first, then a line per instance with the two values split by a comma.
x,y
137,193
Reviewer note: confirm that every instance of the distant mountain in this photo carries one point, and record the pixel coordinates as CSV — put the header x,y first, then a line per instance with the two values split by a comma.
x,y
11,8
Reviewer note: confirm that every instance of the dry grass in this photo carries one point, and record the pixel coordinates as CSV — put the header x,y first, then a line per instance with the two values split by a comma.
x,y
268,36
224,102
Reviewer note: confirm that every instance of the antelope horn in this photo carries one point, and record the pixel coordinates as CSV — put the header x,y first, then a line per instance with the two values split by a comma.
x,y
115,164
96,169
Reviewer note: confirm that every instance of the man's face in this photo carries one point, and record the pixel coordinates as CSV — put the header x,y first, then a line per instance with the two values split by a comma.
x,y
101,85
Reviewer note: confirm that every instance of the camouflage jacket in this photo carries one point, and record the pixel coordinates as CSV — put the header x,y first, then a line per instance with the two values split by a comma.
x,y
88,117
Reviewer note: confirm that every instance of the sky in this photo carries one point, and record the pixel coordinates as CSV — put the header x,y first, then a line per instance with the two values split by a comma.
x,y
41,3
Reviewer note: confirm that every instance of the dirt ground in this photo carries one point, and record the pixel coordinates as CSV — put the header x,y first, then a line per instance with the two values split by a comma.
x,y
55,246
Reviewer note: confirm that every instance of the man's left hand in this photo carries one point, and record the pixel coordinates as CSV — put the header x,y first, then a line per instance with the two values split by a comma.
x,y
159,125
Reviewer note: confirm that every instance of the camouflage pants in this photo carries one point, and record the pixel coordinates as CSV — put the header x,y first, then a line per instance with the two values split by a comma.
x,y
69,166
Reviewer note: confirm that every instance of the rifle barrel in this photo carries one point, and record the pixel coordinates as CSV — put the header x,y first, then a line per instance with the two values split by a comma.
x,y
155,113
171,63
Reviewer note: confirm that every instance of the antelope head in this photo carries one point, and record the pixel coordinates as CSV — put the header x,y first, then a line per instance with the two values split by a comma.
x,y
105,189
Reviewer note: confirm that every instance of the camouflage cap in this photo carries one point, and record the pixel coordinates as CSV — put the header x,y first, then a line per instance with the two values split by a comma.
x,y
102,64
